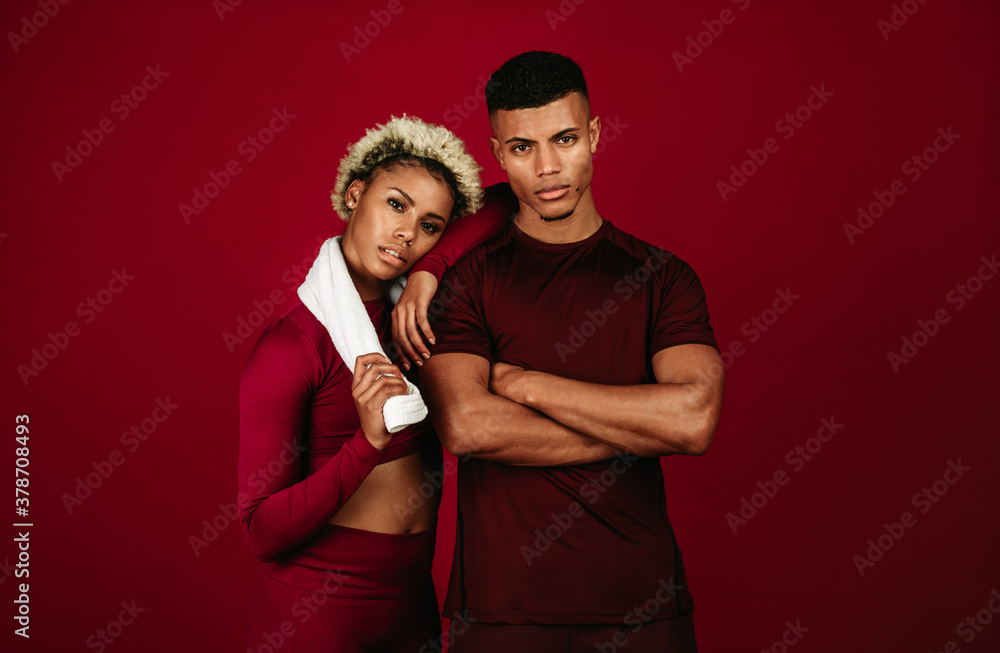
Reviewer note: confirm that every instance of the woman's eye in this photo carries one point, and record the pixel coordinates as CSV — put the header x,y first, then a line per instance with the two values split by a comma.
x,y
430,227
396,204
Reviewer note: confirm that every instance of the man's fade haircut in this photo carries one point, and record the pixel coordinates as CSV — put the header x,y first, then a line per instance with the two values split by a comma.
x,y
534,79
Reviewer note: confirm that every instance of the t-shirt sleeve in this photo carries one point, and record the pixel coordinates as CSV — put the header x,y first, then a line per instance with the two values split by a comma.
x,y
278,509
682,317
457,311
462,235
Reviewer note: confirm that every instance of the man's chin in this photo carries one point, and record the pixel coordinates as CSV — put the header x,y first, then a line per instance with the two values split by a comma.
x,y
556,211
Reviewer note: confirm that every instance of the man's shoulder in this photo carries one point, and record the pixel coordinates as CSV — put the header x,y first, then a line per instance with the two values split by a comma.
x,y
477,257
643,252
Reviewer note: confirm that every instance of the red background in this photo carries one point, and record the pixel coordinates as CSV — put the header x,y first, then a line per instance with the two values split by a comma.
x,y
678,133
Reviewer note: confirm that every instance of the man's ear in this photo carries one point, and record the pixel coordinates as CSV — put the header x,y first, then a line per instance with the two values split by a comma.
x,y
497,151
595,133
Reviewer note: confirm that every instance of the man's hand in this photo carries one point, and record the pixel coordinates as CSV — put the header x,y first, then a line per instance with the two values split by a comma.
x,y
503,381
409,318
375,380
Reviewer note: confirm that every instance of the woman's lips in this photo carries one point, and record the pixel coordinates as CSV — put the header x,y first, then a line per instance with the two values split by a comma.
x,y
389,258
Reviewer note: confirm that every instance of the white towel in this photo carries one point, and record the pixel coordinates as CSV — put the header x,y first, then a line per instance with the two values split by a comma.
x,y
329,294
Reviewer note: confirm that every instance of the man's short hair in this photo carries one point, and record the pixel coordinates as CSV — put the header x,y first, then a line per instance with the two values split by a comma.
x,y
533,79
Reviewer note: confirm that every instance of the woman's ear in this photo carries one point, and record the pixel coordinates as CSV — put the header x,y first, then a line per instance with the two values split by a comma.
x,y
354,192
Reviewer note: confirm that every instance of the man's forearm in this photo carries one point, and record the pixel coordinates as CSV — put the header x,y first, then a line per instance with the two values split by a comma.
x,y
497,429
651,419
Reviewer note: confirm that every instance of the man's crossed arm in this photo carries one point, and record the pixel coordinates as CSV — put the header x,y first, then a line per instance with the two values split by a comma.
x,y
522,417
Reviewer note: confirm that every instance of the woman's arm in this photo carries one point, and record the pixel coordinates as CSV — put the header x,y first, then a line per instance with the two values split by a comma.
x,y
461,236
459,239
279,510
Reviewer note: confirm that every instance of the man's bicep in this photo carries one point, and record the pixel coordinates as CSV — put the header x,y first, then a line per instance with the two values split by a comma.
x,y
689,363
450,375
455,386
457,314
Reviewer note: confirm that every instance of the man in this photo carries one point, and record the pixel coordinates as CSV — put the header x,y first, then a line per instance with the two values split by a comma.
x,y
572,357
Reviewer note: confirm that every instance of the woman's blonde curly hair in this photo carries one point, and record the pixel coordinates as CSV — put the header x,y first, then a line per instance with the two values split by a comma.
x,y
404,138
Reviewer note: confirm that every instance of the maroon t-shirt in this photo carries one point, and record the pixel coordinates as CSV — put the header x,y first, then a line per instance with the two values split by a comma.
x,y
582,544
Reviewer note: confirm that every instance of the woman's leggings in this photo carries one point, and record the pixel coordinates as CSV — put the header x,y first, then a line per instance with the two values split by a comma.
x,y
348,590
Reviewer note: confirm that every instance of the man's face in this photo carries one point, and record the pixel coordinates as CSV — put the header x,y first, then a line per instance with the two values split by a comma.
x,y
547,154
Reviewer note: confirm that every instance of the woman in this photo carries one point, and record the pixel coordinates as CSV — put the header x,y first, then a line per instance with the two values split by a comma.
x,y
340,508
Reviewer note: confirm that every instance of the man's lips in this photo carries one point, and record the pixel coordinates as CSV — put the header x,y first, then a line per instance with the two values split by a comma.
x,y
552,192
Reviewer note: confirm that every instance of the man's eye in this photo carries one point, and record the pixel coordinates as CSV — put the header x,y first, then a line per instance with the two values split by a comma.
x,y
396,204
519,148
567,139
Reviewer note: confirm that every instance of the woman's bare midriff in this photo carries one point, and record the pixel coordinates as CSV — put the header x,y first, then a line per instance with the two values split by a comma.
x,y
391,499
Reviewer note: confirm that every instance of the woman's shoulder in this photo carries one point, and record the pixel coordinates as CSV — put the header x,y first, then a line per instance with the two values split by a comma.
x,y
295,336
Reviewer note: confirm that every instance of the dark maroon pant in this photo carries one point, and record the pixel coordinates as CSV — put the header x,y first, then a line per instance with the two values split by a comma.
x,y
348,590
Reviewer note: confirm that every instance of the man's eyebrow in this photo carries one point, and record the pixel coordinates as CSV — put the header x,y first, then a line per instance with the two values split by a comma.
x,y
403,193
556,137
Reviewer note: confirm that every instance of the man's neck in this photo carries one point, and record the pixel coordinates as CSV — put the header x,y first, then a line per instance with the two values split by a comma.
x,y
580,225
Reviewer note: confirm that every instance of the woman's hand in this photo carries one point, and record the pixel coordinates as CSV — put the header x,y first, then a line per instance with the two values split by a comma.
x,y
375,380
409,318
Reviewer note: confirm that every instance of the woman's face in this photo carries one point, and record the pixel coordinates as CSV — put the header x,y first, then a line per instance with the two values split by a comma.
x,y
396,220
